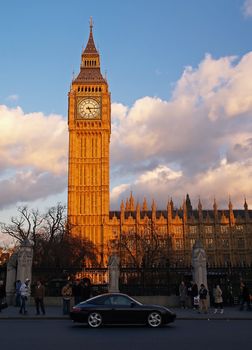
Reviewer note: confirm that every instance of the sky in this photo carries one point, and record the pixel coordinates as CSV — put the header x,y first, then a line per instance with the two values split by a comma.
x,y
179,73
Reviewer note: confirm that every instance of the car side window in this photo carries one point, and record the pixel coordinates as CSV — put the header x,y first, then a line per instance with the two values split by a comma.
x,y
120,300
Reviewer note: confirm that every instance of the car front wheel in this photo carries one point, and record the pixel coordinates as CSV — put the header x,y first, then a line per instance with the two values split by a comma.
x,y
154,319
94,319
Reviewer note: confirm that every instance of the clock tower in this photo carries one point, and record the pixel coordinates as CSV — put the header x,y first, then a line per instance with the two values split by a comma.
x,y
89,122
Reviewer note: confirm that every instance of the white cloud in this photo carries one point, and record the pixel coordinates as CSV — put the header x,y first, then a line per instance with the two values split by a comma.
x,y
198,142
208,119
247,8
33,155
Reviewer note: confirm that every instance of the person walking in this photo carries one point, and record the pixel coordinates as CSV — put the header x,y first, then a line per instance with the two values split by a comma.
x,y
24,294
18,284
2,294
39,294
245,296
218,299
66,293
182,294
203,298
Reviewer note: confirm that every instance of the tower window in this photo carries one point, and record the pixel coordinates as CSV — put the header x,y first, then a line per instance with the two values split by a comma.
x,y
89,89
99,88
96,89
92,89
82,89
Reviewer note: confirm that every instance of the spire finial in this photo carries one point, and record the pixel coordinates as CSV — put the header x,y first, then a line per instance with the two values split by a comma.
x,y
91,23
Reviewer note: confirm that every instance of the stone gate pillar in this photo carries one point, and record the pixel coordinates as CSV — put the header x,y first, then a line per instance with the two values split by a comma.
x,y
11,278
113,273
199,264
24,260
113,267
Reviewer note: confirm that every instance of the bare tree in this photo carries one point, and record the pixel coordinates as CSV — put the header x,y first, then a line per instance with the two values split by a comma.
x,y
54,246
147,248
25,226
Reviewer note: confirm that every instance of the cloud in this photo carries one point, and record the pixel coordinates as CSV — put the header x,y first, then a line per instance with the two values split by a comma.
x,y
247,8
33,155
197,142
208,119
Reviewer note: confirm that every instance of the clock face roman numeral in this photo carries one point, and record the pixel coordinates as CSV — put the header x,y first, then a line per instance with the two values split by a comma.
x,y
89,108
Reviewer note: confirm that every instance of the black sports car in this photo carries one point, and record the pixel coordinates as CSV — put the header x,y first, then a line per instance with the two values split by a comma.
x,y
117,308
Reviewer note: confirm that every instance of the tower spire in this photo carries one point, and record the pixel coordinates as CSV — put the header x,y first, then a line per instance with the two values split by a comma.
x,y
91,23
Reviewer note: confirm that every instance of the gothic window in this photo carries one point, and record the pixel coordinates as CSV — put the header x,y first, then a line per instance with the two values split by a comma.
x,y
192,241
208,229
224,229
239,228
178,244
225,243
209,243
177,229
193,229
240,243
100,89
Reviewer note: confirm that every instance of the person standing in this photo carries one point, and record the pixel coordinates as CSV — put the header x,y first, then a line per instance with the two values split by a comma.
x,y
203,298
85,289
39,294
18,296
218,300
182,294
245,296
195,296
24,294
2,294
66,293
76,289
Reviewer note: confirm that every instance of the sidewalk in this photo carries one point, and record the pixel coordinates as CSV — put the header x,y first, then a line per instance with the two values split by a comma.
x,y
55,313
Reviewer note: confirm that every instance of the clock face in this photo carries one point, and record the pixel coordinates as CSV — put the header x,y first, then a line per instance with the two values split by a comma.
x,y
89,108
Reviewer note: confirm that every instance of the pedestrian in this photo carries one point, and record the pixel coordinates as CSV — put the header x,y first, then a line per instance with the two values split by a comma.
x,y
24,294
244,296
17,293
203,298
85,289
218,299
194,295
39,294
2,294
77,291
182,294
66,293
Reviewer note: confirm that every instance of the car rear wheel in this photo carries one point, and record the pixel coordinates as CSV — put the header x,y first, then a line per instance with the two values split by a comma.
x,y
94,319
154,319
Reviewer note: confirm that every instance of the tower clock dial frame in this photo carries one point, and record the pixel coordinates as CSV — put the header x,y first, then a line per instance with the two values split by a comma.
x,y
88,108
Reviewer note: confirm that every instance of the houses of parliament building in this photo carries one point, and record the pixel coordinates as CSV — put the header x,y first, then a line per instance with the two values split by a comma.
x,y
225,234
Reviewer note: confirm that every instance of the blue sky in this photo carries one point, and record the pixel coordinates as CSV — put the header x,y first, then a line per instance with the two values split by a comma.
x,y
146,50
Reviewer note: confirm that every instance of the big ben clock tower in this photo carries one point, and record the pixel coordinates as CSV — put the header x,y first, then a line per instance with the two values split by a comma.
x,y
89,121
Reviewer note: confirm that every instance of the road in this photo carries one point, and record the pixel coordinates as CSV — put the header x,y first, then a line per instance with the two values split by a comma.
x,y
182,335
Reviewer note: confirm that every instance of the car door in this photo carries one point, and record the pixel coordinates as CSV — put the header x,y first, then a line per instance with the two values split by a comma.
x,y
124,310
